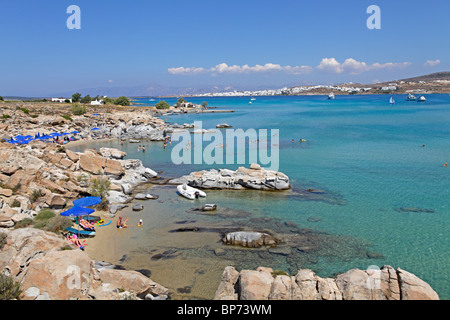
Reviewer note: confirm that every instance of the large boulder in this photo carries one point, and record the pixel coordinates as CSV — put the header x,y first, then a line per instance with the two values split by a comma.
x,y
112,153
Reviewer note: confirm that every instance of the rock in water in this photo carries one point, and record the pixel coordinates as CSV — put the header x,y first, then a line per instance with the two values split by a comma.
x,y
254,178
250,239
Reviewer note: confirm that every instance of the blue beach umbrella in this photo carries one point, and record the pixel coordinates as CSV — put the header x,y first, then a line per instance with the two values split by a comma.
x,y
56,134
77,212
87,201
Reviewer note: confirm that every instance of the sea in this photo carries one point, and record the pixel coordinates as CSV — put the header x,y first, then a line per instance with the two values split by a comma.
x,y
368,188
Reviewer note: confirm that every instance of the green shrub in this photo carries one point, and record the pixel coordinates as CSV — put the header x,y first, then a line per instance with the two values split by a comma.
x,y
15,204
67,117
2,240
35,195
162,105
57,224
78,110
44,215
122,101
25,110
23,223
9,288
100,187
6,116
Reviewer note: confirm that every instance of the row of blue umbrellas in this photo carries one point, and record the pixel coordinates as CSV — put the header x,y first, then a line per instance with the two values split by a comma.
x,y
26,139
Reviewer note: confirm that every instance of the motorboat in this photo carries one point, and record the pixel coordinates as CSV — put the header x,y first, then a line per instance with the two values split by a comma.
x,y
331,96
411,97
190,192
134,141
421,99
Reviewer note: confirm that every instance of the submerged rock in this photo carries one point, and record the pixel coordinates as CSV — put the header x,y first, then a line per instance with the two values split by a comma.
x,y
414,209
250,239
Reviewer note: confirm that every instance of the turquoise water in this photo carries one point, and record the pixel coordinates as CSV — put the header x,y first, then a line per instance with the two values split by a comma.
x,y
368,157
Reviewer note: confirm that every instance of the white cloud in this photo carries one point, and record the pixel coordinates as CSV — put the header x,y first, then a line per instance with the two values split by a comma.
x,y
183,70
353,66
224,68
329,65
432,63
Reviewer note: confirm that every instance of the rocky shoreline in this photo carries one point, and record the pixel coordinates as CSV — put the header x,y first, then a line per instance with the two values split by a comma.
x,y
42,175
386,283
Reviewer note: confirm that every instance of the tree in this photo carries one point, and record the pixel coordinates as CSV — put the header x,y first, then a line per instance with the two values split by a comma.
x,y
1,98
122,101
109,100
86,99
180,102
162,105
99,188
76,97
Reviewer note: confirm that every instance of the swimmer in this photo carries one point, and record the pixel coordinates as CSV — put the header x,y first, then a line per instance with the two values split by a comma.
x,y
140,223
445,164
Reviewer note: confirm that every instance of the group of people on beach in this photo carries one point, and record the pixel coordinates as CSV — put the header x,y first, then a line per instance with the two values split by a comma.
x,y
123,224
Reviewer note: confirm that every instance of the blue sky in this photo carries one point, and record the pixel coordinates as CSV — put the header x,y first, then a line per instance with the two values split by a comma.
x,y
207,42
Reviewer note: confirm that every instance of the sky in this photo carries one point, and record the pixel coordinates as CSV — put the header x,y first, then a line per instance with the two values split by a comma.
x,y
249,43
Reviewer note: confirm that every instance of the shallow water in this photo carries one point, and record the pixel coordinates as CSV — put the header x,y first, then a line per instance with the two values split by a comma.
x,y
365,154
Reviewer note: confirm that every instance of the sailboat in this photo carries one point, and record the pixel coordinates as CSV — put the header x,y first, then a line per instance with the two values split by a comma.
x,y
392,101
410,97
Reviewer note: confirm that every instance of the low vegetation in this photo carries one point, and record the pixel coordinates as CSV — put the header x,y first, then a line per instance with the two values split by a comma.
x,y
162,105
46,220
9,288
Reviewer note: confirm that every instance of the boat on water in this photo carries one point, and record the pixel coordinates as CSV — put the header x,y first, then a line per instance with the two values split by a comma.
x,y
331,96
134,141
250,102
392,100
190,192
421,99
411,97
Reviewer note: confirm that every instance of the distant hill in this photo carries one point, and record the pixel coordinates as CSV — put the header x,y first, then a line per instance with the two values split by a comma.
x,y
445,75
157,90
